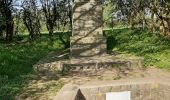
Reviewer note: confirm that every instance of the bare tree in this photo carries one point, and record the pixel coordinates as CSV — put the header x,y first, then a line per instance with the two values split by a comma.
x,y
65,18
51,14
6,14
137,10
30,18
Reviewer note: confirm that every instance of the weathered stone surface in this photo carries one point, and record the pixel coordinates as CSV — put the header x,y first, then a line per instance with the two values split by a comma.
x,y
148,89
87,32
92,64
87,0
68,92
90,39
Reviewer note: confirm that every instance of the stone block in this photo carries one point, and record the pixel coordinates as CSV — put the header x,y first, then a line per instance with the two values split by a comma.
x,y
88,32
139,91
87,53
87,40
87,16
86,0
87,25
87,46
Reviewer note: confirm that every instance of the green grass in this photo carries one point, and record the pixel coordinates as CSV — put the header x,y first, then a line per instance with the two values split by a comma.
x,y
17,60
152,46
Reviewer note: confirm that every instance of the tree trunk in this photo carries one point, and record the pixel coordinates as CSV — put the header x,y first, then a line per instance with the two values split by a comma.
x,y
152,25
51,32
9,25
9,32
50,27
143,21
131,23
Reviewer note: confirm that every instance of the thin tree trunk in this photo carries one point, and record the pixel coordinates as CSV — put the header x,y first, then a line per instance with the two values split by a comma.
x,y
152,27
9,26
131,22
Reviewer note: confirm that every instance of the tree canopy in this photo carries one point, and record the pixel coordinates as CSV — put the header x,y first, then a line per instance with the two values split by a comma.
x,y
36,15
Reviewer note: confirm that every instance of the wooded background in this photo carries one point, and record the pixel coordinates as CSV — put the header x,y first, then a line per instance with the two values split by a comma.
x,y
18,17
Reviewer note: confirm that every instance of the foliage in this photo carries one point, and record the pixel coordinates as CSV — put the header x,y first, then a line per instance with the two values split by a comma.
x,y
6,20
31,18
107,13
142,14
18,15
17,60
154,47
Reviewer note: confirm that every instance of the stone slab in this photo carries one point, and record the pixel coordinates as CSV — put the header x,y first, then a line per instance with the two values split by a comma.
x,y
141,89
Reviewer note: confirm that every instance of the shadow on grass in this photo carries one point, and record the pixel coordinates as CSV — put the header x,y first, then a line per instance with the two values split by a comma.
x,y
17,60
136,41
151,46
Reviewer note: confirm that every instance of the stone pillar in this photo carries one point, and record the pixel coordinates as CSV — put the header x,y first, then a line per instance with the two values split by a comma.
x,y
87,32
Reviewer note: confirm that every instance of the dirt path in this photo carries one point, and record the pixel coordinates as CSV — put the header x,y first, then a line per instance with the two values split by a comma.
x,y
46,87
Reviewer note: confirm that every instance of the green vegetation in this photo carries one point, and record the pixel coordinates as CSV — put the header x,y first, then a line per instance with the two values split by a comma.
x,y
23,43
152,46
17,60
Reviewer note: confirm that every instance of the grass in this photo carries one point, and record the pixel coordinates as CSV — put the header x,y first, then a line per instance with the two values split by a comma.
x,y
152,46
16,61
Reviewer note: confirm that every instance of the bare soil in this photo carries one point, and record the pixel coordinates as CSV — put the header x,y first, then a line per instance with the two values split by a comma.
x,y
46,87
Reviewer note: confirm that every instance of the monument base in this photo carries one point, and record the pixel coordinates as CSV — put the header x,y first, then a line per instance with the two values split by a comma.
x,y
98,63
88,64
87,46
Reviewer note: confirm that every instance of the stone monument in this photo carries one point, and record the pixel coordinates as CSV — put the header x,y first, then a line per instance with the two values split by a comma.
x,y
87,32
88,45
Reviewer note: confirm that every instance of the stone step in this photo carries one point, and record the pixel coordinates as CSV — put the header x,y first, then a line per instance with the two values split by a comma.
x,y
88,64
95,66
99,63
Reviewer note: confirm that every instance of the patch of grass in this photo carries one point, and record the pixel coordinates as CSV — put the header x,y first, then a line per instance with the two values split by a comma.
x,y
152,46
17,60
10,87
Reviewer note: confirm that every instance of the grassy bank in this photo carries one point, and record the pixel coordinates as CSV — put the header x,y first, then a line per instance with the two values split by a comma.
x,y
152,46
16,61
